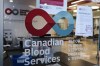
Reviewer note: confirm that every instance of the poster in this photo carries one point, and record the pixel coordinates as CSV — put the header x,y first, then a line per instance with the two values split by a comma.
x,y
52,6
84,21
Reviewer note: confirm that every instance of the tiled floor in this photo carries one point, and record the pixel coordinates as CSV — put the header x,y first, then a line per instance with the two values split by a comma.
x,y
89,55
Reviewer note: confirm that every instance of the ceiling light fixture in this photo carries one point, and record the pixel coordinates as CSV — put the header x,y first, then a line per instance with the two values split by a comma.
x,y
74,10
31,6
11,1
98,10
45,3
95,7
73,6
77,1
95,0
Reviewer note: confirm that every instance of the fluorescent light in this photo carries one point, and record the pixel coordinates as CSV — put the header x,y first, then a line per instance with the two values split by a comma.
x,y
98,10
95,0
77,1
10,0
95,7
72,5
31,6
74,10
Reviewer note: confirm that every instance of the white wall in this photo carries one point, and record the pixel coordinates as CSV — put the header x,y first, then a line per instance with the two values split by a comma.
x,y
18,28
16,22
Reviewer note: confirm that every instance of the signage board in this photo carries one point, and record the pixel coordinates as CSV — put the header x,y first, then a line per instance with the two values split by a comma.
x,y
84,21
52,6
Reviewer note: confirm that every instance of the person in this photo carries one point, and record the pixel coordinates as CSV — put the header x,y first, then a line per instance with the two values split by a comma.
x,y
4,41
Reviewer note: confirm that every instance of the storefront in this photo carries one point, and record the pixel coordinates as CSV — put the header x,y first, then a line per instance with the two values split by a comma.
x,y
49,32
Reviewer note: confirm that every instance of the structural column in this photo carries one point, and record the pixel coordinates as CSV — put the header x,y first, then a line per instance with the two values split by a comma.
x,y
1,32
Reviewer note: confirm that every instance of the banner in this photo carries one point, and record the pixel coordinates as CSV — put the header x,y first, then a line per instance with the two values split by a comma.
x,y
84,21
52,6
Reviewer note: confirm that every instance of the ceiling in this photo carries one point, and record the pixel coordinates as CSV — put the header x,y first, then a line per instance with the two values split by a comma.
x,y
72,6
23,2
83,2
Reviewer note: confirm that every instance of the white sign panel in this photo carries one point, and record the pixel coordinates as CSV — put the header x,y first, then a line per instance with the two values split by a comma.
x,y
84,21
18,9
52,6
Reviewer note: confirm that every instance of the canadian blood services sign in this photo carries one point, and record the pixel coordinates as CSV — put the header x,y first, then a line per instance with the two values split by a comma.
x,y
10,11
51,23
